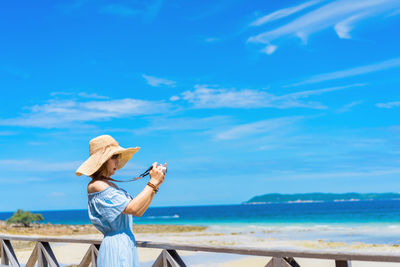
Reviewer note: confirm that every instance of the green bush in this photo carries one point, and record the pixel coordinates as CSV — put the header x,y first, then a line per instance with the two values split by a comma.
x,y
25,217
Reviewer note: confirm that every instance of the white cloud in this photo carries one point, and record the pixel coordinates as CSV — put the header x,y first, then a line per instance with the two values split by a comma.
x,y
64,113
395,13
344,27
349,106
33,165
349,174
92,95
174,98
20,180
282,13
205,97
212,39
59,93
270,49
341,13
7,133
259,127
117,9
184,123
155,81
147,10
56,194
388,104
80,94
320,91
383,65
121,107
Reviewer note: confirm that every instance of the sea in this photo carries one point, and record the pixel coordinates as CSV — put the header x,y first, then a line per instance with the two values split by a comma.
x,y
368,221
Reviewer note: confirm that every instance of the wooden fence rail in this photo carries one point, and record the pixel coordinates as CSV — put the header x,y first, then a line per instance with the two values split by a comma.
x,y
43,255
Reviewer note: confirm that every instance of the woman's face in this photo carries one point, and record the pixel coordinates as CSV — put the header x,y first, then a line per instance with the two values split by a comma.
x,y
112,165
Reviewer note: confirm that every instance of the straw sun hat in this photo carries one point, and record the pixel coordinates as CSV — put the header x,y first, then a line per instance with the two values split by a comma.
x,y
102,148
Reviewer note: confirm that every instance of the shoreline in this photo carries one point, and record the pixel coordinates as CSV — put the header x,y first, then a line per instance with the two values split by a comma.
x,y
71,253
86,229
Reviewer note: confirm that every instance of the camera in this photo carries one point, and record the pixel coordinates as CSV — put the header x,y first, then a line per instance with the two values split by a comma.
x,y
164,169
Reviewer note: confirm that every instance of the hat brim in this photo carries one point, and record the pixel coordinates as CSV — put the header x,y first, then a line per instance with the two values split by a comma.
x,y
95,161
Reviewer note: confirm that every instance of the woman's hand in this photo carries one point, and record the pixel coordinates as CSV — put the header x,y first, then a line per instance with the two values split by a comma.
x,y
157,175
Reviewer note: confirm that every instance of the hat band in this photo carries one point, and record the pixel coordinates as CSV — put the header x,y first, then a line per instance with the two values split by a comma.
x,y
104,148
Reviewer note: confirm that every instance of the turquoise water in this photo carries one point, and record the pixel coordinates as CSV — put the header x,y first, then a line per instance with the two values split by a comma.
x,y
352,221
351,212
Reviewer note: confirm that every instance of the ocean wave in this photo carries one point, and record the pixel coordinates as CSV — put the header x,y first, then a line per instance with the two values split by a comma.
x,y
368,233
175,216
352,199
287,202
309,201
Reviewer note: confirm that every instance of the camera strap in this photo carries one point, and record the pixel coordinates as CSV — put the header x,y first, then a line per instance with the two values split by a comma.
x,y
147,172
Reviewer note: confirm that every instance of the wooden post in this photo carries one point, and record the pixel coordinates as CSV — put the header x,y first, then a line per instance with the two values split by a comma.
x,y
95,252
4,259
168,258
33,258
90,256
176,257
8,256
42,262
277,262
43,254
292,262
340,263
48,253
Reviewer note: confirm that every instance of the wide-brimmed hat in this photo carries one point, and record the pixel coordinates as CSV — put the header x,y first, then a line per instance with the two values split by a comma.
x,y
101,149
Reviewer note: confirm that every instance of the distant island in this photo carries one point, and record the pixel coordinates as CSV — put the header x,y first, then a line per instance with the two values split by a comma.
x,y
320,197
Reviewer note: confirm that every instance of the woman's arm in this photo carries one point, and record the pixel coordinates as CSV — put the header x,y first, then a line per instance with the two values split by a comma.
x,y
138,206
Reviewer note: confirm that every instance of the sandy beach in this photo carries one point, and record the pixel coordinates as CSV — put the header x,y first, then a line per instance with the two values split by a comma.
x,y
71,254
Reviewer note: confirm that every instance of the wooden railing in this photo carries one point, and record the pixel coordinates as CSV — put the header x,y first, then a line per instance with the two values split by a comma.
x,y
44,256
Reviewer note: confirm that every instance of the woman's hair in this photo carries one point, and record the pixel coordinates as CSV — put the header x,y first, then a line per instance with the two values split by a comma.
x,y
100,171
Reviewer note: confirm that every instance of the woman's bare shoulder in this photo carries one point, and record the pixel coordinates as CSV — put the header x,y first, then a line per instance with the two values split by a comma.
x,y
96,186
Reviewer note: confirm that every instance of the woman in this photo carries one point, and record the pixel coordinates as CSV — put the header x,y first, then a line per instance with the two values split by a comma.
x,y
110,207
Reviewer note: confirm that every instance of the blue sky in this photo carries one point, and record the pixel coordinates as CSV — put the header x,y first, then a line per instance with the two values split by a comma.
x,y
239,99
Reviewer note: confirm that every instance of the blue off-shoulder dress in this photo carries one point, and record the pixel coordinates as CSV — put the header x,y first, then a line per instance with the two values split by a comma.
x,y
118,248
